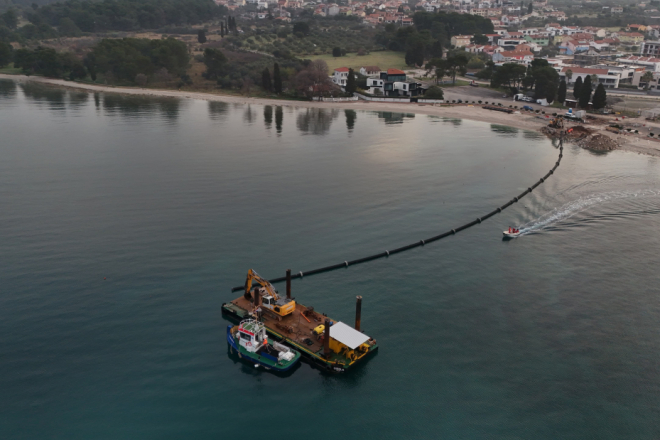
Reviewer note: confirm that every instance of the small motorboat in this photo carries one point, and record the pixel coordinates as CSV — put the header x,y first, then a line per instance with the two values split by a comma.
x,y
511,233
250,341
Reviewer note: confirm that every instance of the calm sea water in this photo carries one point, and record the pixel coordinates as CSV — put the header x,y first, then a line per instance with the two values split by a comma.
x,y
124,223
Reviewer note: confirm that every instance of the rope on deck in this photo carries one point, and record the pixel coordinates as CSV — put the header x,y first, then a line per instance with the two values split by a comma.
x,y
454,231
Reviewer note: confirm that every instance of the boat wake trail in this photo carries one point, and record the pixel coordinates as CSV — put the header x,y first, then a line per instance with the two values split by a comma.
x,y
577,206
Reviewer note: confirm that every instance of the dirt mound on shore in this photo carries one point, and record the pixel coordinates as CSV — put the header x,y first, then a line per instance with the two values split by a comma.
x,y
598,142
579,131
576,133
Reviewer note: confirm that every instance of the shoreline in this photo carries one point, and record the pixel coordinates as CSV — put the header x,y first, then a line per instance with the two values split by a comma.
x,y
522,121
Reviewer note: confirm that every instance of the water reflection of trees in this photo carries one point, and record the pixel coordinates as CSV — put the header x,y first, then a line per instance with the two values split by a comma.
x,y
218,110
504,130
52,96
316,120
279,116
268,116
249,115
78,99
7,88
532,135
456,122
138,106
351,116
393,117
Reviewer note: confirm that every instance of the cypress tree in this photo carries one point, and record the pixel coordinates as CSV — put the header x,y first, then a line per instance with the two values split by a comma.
x,y
585,92
265,80
561,94
577,87
600,97
351,84
277,79
551,92
222,29
201,36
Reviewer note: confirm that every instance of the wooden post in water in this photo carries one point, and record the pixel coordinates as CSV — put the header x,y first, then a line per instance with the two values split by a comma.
x,y
257,297
326,340
288,283
358,312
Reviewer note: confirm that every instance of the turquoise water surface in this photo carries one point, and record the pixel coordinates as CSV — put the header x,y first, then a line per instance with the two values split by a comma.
x,y
126,221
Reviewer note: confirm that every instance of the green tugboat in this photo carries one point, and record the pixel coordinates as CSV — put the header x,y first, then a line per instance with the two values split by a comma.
x,y
324,342
250,341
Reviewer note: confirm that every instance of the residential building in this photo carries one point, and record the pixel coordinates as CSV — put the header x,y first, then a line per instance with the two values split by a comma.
x,y
370,70
616,10
610,81
393,83
650,48
631,37
588,58
340,76
332,10
649,63
513,56
460,40
541,40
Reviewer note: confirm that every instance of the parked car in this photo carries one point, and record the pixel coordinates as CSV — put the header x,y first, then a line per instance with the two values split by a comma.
x,y
527,107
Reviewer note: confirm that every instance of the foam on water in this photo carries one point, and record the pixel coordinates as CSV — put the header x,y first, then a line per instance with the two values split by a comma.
x,y
580,205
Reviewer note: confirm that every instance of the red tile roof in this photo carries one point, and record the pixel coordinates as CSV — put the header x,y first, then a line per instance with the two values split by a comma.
x,y
585,70
395,72
341,69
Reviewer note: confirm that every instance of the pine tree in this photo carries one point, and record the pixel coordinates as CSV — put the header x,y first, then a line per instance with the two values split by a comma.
x,y
561,94
577,87
600,97
585,92
277,79
351,83
265,80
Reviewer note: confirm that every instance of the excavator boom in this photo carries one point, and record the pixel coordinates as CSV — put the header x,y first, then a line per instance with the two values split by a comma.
x,y
271,301
254,277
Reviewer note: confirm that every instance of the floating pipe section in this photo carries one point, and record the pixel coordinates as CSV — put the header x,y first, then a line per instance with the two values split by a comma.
x,y
454,231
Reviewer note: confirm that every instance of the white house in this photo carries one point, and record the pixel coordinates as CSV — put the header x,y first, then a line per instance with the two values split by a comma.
x,y
340,76
652,64
607,79
375,83
370,70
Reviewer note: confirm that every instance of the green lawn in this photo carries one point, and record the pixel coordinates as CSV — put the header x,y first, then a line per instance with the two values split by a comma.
x,y
385,60
10,70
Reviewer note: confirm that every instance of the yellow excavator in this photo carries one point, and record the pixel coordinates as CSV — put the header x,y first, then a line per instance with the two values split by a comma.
x,y
269,299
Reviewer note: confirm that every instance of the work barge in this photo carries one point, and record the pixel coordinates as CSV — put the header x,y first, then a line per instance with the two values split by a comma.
x,y
326,343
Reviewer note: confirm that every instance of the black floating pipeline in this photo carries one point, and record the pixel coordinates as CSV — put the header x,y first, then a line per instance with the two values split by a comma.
x,y
420,243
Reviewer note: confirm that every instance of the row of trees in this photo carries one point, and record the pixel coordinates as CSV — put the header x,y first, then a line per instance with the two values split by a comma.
x,y
128,60
545,82
48,62
276,84
582,92
430,33
455,63
125,15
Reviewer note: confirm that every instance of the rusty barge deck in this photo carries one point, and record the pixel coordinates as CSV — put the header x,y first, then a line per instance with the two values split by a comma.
x,y
295,330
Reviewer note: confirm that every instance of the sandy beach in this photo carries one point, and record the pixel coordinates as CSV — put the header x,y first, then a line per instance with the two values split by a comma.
x,y
525,121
